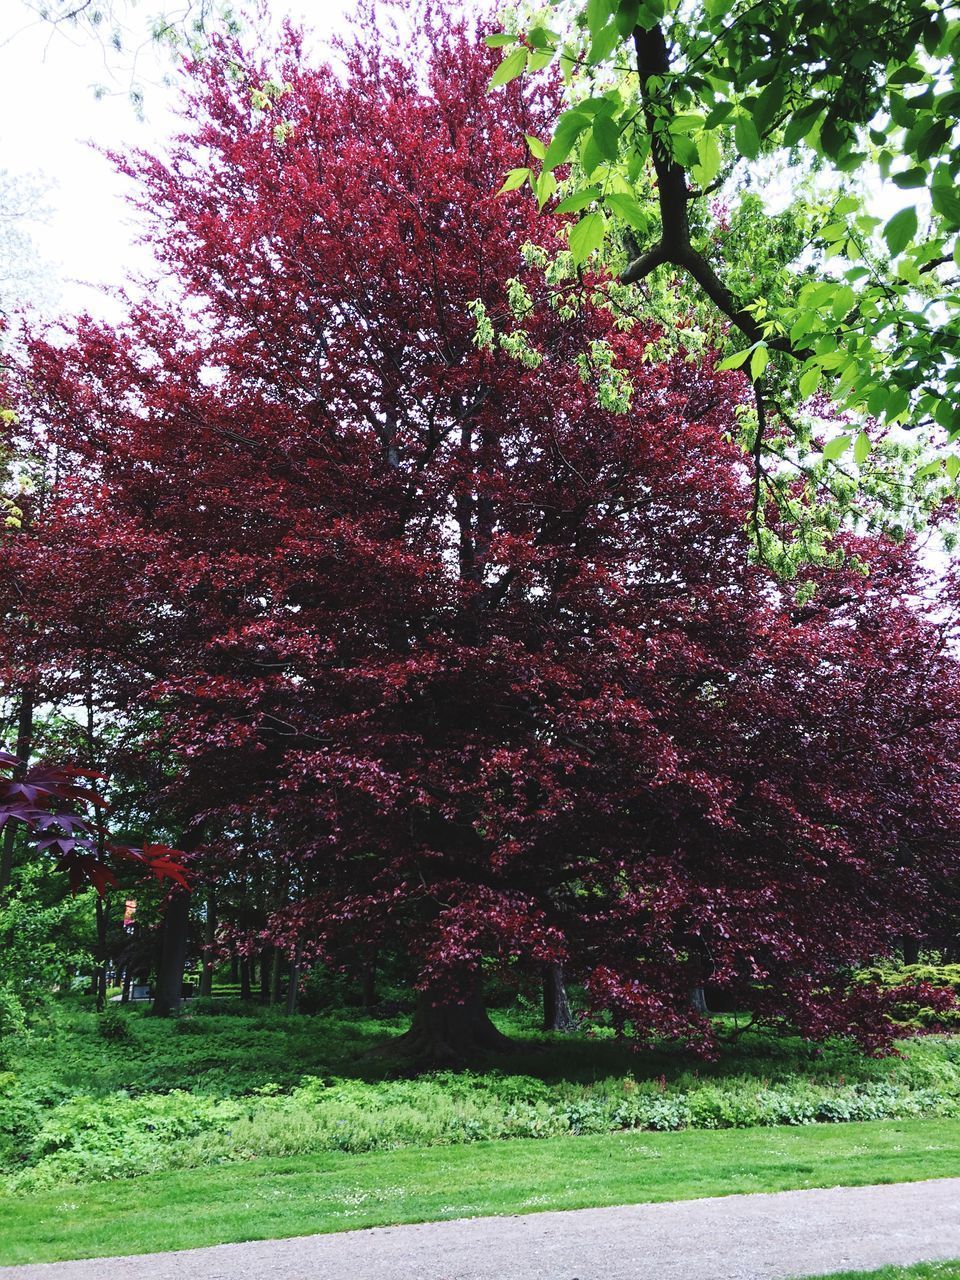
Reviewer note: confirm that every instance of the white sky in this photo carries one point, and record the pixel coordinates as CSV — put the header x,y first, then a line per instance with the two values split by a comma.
x,y
50,118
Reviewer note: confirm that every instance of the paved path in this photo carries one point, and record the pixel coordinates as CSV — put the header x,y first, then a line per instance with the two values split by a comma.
x,y
747,1237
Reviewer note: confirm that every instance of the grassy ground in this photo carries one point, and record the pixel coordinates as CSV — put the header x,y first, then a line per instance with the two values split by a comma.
x,y
922,1271
264,1199
87,1099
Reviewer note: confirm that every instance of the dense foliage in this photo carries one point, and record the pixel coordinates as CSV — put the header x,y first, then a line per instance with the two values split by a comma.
x,y
434,636
695,96
80,1106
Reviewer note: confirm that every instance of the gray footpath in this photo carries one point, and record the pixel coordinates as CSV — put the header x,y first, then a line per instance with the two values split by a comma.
x,y
742,1237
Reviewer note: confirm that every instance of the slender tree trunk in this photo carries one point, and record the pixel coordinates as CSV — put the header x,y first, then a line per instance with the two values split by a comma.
x,y
293,990
209,940
100,973
173,955
448,1034
234,966
23,751
276,973
246,989
368,981
556,1005
125,989
264,963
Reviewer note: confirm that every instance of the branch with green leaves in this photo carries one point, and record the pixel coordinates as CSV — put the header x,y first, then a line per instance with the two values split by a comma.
x,y
671,102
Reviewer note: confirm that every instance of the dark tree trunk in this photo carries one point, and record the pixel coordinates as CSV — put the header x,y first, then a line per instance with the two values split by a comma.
x,y
911,950
293,990
264,977
368,982
22,751
173,955
100,973
450,1035
209,939
246,988
698,1000
125,990
234,967
276,973
556,1005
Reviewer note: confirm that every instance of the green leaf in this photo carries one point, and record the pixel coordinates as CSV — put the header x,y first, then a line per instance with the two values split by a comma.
x,y
585,237
710,160
735,361
513,65
578,200
900,230
810,380
914,177
590,156
861,448
569,127
836,447
604,43
598,11
627,17
945,197
746,137
630,209
802,123
498,40
606,136
767,106
514,179
537,148
758,362
546,185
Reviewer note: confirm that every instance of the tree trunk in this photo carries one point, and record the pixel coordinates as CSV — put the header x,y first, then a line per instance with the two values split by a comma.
x,y
100,973
911,950
246,989
368,981
23,749
173,955
556,1005
452,1035
234,967
698,1000
276,972
209,940
293,990
264,977
125,989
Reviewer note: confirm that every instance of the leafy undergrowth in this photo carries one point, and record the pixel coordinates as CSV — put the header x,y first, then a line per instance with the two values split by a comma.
x,y
79,1105
269,1199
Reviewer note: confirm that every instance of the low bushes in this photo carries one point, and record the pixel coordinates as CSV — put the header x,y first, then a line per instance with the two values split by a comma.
x,y
911,1013
86,1138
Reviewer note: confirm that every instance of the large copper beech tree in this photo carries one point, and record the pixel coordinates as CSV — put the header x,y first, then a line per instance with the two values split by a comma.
x,y
486,662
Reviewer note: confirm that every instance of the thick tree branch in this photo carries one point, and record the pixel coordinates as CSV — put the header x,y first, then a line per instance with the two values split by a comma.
x,y
673,193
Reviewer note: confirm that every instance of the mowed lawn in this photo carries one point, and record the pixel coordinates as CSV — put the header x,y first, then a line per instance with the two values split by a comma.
x,y
922,1271
266,1198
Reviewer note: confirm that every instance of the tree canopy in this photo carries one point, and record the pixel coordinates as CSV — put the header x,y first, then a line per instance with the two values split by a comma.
x,y
680,115
457,629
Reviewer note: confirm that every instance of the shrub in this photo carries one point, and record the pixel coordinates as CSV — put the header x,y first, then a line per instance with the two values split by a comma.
x,y
113,1025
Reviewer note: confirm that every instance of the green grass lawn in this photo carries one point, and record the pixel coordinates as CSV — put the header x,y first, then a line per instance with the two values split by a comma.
x,y
262,1199
922,1271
